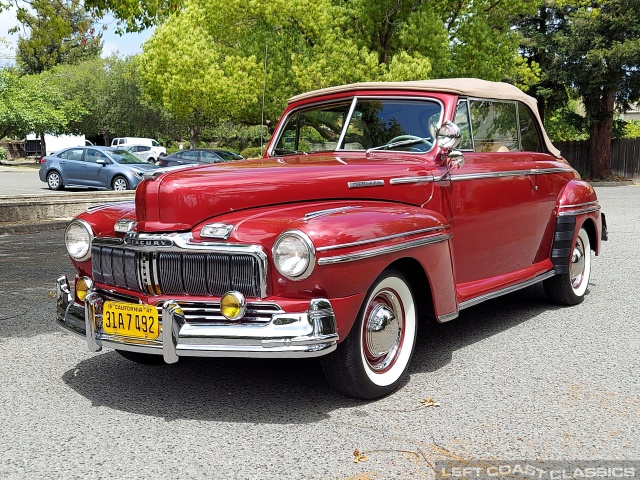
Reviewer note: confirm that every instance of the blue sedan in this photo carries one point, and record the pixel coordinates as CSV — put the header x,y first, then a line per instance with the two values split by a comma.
x,y
96,167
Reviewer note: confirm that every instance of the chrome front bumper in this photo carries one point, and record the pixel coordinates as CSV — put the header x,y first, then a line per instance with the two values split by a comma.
x,y
287,335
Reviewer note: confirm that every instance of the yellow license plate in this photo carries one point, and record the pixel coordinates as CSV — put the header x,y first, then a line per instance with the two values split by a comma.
x,y
130,320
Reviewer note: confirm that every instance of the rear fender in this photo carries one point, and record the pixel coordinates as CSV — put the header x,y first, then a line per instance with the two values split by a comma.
x,y
578,206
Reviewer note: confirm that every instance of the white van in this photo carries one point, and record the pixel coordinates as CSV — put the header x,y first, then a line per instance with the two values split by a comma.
x,y
158,149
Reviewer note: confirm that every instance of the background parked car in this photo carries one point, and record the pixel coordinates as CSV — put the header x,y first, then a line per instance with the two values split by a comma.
x,y
156,148
97,167
197,155
145,152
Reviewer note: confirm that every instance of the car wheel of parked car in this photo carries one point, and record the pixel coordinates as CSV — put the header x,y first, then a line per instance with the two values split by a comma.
x,y
120,183
142,358
151,160
569,288
373,359
54,180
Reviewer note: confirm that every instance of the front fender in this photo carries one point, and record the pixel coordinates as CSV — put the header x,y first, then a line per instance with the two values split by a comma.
x,y
354,242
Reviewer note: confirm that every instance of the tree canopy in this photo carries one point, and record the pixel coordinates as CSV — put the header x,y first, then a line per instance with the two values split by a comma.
x,y
206,61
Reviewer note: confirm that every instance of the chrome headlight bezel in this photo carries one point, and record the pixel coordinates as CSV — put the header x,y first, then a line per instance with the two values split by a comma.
x,y
83,253
304,244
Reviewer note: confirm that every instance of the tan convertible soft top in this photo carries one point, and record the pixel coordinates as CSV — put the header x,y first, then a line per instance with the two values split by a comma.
x,y
468,87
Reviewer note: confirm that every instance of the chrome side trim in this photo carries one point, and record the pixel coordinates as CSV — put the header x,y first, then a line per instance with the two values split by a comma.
x,y
580,211
509,173
406,180
95,208
373,252
543,171
448,317
329,211
366,183
513,288
480,176
381,239
586,204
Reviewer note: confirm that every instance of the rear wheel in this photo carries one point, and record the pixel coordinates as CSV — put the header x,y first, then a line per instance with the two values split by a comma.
x,y
142,358
120,183
54,180
151,160
569,288
372,361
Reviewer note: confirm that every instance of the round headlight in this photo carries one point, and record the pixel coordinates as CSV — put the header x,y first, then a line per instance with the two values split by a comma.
x,y
294,255
78,239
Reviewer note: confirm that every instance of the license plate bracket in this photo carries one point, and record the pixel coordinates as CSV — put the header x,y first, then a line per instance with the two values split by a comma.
x,y
130,320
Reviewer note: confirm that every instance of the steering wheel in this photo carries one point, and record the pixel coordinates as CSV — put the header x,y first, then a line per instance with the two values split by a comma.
x,y
413,148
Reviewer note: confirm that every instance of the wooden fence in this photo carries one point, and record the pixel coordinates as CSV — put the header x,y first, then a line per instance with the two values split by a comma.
x,y
625,156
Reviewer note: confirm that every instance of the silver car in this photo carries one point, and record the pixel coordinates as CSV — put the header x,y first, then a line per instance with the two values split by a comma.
x,y
145,152
96,167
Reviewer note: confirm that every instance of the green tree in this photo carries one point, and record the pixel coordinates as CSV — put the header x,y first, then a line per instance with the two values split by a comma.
x,y
109,92
596,49
205,63
58,32
32,104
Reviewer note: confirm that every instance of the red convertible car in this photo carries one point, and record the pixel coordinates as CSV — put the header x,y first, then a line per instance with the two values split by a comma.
x,y
376,207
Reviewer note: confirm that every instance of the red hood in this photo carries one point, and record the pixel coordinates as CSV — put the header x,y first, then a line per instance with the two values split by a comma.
x,y
180,199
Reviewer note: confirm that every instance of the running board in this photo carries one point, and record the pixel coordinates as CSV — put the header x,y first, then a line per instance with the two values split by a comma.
x,y
498,293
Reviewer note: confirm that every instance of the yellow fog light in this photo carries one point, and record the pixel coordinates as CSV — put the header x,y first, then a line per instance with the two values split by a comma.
x,y
233,305
83,285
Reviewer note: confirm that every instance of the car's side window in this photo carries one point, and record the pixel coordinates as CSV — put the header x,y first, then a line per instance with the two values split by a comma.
x,y
211,157
529,135
93,155
144,149
462,120
189,155
72,154
494,125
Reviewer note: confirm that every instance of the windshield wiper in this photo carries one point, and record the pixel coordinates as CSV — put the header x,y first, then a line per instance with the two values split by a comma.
x,y
396,144
284,151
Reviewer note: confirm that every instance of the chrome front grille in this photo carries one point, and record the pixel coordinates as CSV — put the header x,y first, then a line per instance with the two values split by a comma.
x,y
177,273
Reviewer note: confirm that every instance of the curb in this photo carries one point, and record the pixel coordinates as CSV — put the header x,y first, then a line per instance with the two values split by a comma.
x,y
625,183
18,228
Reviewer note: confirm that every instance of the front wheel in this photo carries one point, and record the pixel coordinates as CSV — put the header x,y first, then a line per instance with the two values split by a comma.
x,y
120,183
372,361
569,288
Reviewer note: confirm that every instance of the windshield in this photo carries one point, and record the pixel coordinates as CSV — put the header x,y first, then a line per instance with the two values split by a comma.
x,y
373,123
125,158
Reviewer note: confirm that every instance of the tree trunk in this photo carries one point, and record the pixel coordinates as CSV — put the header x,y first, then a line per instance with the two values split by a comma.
x,y
43,145
193,137
600,137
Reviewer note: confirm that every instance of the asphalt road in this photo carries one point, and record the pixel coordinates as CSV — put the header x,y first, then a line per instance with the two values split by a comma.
x,y
515,378
21,181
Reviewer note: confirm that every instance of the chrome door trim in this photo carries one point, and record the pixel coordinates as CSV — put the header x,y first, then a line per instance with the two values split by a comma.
x,y
513,288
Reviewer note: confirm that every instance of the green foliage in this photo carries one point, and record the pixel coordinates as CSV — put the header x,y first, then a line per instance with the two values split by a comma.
x,y
60,31
205,64
32,103
252,152
631,129
110,94
3,153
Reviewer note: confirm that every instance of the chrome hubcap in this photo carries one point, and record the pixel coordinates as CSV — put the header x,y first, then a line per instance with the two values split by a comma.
x,y
54,181
119,185
382,333
577,264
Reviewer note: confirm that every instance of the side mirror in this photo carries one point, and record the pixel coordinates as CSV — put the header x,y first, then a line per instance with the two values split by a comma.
x,y
448,136
101,161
